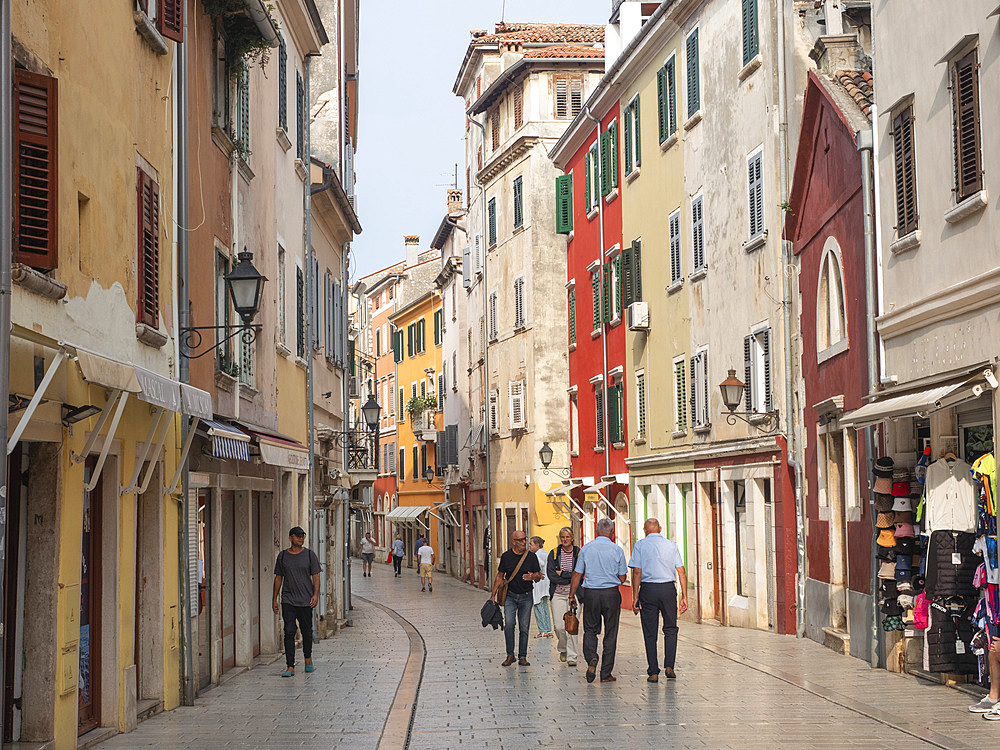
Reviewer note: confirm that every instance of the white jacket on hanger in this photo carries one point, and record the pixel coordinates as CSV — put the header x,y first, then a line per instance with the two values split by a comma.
x,y
950,497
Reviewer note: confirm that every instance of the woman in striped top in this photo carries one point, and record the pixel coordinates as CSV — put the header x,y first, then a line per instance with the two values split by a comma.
x,y
562,561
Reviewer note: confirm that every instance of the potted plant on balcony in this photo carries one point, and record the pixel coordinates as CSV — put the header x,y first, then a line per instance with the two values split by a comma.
x,y
415,407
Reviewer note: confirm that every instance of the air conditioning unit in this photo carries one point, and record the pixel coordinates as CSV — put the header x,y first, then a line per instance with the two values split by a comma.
x,y
638,316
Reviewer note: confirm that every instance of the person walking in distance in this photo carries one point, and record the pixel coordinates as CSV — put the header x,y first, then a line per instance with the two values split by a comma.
x,y
516,575
367,554
296,580
398,550
416,549
657,572
559,569
540,591
601,568
425,556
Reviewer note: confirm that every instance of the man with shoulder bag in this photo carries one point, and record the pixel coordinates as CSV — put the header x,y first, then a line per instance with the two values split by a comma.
x,y
516,575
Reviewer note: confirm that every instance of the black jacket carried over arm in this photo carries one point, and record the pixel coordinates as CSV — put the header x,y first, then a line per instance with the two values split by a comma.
x,y
557,578
492,614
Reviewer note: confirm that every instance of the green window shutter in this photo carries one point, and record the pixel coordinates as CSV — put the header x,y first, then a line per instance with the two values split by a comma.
x,y
564,204
586,181
350,357
606,292
626,276
437,328
618,285
599,412
613,415
421,338
492,211
636,270
661,103
518,204
605,162
628,139
751,35
595,283
411,340
693,81
671,96
635,121
572,315
613,141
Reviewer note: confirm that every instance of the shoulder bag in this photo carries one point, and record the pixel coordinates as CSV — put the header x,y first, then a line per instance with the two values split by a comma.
x,y
502,591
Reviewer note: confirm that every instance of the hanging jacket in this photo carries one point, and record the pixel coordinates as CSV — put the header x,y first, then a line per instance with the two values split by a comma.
x,y
951,564
948,641
492,614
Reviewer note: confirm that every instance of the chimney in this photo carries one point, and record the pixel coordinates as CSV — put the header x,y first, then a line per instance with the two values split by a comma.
x,y
454,200
626,21
412,244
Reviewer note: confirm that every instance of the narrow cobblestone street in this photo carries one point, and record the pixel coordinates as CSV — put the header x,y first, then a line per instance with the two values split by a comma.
x,y
735,689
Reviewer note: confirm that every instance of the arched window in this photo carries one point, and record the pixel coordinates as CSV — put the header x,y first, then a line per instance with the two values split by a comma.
x,y
831,307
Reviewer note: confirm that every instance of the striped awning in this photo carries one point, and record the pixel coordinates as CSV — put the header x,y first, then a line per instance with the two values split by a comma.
x,y
227,441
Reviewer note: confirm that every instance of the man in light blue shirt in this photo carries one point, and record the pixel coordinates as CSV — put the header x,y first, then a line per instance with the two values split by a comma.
x,y
656,565
601,567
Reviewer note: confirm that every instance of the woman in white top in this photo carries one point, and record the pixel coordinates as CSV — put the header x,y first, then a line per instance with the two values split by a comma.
x,y
543,618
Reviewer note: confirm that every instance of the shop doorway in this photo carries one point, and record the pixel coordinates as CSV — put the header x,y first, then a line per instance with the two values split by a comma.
x,y
255,573
17,469
204,609
148,640
228,561
89,688
718,585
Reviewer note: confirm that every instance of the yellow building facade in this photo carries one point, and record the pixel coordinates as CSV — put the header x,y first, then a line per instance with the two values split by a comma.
x,y
417,350
93,529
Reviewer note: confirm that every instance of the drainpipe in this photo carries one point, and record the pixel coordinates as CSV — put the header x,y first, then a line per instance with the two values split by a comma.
x,y
184,368
866,143
604,325
6,247
791,444
486,370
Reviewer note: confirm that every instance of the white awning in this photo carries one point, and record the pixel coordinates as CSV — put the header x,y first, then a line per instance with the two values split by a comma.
x,y
158,390
920,403
406,513
596,489
111,373
283,453
195,402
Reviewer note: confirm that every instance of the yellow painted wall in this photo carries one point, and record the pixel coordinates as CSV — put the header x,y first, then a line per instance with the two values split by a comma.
x,y
291,385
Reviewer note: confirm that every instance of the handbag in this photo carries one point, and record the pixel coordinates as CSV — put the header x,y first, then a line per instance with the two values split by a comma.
x,y
571,623
502,591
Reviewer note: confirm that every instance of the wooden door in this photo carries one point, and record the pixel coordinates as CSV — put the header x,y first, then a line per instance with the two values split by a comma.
x,y
89,690
720,610
228,582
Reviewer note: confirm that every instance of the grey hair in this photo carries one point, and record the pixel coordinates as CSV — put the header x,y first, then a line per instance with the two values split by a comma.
x,y
538,541
605,526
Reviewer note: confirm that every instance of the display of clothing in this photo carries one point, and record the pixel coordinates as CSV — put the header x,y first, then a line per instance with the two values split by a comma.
x,y
948,640
950,497
987,548
951,564
984,469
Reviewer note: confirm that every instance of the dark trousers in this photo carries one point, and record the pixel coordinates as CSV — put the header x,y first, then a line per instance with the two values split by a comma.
x,y
598,605
289,614
659,599
520,605
397,563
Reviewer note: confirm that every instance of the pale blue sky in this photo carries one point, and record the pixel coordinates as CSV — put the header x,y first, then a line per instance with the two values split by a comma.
x,y
410,131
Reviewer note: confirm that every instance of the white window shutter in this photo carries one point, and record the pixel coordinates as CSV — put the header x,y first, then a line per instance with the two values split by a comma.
x,y
478,254
494,413
466,268
493,315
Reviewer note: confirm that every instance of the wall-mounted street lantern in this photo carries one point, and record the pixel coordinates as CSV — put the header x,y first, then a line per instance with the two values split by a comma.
x,y
732,396
545,454
245,287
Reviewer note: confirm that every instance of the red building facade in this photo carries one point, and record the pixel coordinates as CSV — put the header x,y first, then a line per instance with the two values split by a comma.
x,y
826,227
598,275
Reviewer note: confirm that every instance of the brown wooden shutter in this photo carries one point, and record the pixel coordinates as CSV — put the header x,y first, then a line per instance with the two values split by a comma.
x,y
148,193
518,111
906,178
170,19
35,170
965,104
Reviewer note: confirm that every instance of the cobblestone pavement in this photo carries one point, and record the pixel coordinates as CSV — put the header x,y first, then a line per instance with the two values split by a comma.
x,y
735,689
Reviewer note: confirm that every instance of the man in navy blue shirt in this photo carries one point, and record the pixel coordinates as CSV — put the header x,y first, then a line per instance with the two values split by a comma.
x,y
601,568
657,573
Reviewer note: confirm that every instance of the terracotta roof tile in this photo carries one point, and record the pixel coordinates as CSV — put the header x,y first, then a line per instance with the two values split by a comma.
x,y
525,33
566,51
860,87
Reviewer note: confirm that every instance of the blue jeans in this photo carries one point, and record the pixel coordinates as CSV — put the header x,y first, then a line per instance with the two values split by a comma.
x,y
520,605
542,617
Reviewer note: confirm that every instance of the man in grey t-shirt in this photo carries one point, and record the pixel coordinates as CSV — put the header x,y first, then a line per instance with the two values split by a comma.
x,y
296,578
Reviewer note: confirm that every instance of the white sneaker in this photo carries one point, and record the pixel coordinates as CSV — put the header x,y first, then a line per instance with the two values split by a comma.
x,y
984,706
993,714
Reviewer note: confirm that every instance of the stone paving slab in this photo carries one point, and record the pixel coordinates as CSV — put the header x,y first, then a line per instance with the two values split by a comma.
x,y
343,704
740,689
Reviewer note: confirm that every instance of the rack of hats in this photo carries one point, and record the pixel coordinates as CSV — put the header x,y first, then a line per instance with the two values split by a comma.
x,y
936,528
899,548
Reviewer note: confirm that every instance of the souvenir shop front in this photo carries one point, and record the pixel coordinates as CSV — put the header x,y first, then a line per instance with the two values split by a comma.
x,y
935,528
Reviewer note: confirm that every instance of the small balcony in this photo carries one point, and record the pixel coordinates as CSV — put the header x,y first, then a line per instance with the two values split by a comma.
x,y
425,426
